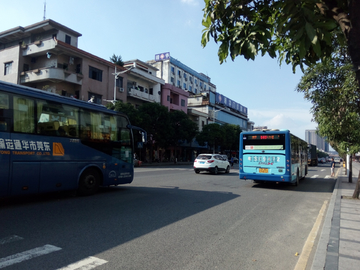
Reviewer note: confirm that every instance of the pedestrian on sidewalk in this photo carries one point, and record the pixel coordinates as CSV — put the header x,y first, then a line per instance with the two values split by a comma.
x,y
332,167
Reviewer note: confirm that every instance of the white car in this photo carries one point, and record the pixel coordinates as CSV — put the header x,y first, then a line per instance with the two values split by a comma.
x,y
213,163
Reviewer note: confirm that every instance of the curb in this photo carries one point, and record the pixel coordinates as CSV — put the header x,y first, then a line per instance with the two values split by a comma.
x,y
321,257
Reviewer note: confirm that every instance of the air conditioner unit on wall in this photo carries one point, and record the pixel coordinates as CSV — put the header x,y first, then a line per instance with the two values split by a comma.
x,y
121,89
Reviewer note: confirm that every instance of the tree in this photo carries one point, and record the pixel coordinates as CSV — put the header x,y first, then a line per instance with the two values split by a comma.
x,y
299,31
156,122
129,110
213,134
117,60
332,89
231,136
184,129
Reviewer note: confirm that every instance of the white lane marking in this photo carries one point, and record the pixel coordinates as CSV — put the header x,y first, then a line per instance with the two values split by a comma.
x,y
27,255
323,170
328,176
9,239
85,264
314,176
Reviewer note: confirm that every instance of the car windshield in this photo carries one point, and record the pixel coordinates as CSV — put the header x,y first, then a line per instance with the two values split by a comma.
x,y
204,157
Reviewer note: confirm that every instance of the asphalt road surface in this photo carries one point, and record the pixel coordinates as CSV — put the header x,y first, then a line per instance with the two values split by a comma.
x,y
168,218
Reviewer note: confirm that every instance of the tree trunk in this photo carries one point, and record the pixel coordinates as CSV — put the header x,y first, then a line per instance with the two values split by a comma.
x,y
350,168
357,188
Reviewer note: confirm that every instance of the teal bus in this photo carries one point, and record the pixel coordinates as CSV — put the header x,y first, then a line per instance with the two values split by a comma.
x,y
53,143
272,156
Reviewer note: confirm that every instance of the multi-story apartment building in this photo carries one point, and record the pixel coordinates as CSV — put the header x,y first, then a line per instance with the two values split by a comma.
x,y
312,137
142,83
45,56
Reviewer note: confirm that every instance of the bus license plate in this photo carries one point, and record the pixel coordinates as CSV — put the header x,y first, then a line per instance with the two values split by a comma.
x,y
263,170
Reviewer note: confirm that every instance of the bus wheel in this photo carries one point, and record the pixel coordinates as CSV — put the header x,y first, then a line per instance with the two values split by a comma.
x,y
89,182
227,169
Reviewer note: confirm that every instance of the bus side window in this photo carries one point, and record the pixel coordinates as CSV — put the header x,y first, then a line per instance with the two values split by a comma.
x,y
4,112
24,115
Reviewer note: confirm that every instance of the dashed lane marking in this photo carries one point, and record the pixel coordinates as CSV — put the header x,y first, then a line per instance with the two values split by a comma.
x,y
10,239
314,176
88,263
27,255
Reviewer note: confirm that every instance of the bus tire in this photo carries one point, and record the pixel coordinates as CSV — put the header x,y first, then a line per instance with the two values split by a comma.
x,y
89,182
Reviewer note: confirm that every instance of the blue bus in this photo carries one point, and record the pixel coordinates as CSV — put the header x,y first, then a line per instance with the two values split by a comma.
x,y
53,143
272,156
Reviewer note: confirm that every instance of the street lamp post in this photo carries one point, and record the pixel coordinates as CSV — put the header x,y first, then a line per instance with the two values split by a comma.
x,y
116,74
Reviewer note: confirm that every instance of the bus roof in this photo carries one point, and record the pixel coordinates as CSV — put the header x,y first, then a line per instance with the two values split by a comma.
x,y
41,94
261,131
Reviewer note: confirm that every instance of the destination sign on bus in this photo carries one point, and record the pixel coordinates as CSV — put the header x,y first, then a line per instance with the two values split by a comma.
x,y
263,137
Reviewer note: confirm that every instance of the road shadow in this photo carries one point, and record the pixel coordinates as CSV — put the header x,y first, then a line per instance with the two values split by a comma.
x,y
306,185
94,224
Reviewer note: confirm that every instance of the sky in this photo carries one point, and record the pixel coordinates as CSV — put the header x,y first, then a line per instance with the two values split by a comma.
x,y
139,29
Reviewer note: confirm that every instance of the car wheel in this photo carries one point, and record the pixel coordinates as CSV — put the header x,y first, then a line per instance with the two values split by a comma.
x,y
227,169
197,171
216,170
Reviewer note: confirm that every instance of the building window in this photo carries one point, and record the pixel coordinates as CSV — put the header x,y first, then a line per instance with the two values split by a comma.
x,y
172,80
183,103
7,68
196,82
95,98
184,85
151,91
68,39
26,67
178,83
179,73
168,98
119,82
190,88
195,91
172,70
95,74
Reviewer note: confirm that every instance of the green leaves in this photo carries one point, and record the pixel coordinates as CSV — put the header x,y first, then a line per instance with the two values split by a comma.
x,y
295,30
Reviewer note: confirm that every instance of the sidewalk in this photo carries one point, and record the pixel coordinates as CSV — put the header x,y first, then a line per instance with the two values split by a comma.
x,y
339,243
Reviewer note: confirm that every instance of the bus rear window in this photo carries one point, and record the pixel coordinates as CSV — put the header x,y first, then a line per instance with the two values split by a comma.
x,y
264,142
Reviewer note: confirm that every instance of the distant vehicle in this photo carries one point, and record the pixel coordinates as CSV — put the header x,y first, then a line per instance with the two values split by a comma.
x,y
337,160
312,155
272,156
213,163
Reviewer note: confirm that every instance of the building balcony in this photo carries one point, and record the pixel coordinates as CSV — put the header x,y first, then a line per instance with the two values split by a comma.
x,y
38,47
50,74
133,92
